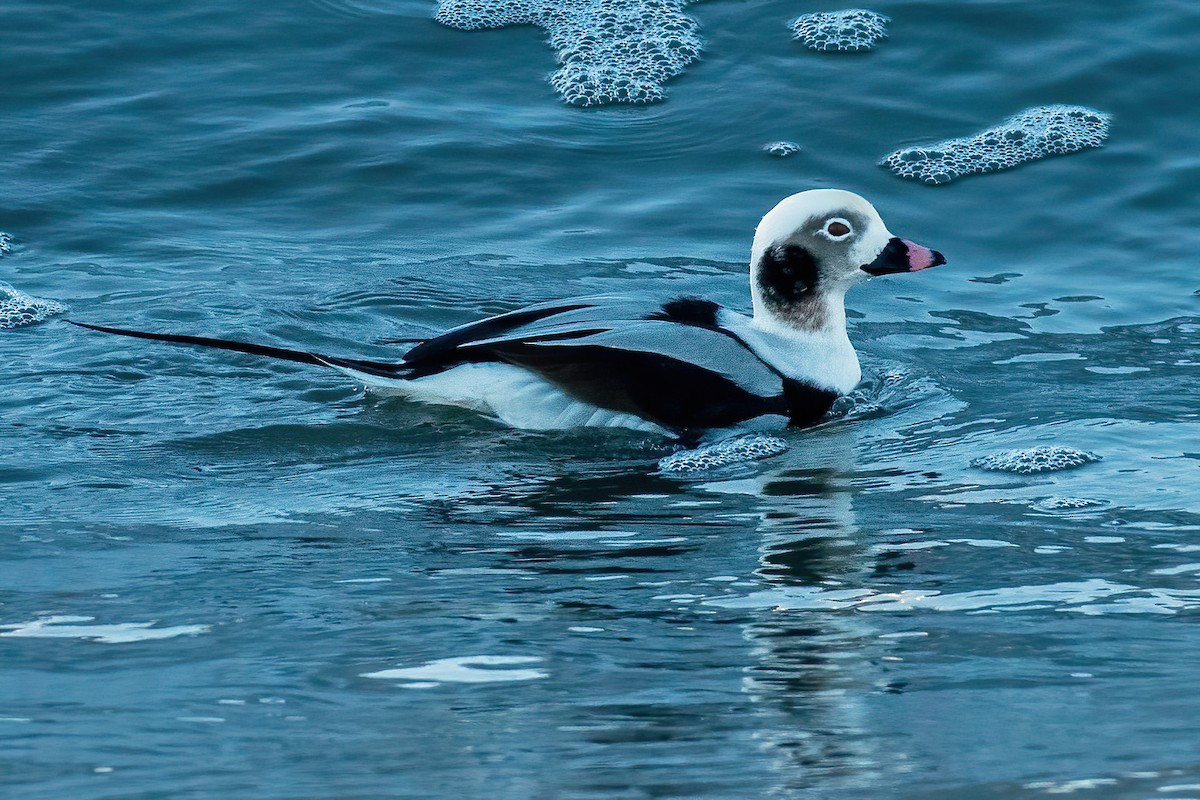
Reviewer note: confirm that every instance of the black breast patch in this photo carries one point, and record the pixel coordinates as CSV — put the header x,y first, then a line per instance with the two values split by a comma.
x,y
806,403
788,273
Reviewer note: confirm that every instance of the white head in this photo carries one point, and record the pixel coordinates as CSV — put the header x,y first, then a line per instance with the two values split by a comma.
x,y
813,246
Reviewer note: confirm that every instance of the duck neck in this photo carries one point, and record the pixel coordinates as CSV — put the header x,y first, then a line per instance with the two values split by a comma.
x,y
809,344
821,316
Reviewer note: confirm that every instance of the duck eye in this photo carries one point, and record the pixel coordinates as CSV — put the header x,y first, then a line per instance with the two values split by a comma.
x,y
837,228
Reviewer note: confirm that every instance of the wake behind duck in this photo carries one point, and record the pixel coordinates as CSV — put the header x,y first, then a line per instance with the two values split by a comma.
x,y
683,367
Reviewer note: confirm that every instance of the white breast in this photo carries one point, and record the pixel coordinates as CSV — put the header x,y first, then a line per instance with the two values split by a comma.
x,y
823,358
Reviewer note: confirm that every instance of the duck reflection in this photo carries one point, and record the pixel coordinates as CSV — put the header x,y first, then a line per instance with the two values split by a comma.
x,y
639,561
812,670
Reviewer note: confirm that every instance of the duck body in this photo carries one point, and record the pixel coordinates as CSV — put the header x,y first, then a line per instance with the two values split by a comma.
x,y
681,366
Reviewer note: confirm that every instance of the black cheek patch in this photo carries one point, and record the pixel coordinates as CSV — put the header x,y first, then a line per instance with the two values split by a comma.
x,y
788,272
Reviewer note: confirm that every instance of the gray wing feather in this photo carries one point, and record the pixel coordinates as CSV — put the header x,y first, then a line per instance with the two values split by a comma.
x,y
614,322
708,349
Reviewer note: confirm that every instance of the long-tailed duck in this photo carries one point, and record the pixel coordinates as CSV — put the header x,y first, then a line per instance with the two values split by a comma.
x,y
680,367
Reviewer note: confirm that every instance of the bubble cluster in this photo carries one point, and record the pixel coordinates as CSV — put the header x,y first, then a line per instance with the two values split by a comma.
x,y
18,309
781,149
1036,459
610,51
851,31
730,451
1067,503
5,243
1031,135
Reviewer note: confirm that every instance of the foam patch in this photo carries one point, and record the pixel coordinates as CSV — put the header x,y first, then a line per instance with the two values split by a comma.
x,y
1034,134
1036,459
5,243
851,31
611,51
18,309
781,149
752,447
1067,503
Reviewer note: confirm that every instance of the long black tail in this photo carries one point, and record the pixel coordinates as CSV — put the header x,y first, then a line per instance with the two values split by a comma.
x,y
382,368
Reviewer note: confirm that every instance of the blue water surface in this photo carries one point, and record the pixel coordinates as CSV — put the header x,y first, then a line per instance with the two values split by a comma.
x,y
228,577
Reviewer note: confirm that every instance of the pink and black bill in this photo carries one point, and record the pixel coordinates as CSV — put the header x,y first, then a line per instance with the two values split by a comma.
x,y
901,255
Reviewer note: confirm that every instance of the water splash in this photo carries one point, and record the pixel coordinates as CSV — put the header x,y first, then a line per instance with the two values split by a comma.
x,y
18,309
1033,134
888,390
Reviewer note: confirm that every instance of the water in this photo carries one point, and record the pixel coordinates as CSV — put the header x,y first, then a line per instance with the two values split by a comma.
x,y
227,577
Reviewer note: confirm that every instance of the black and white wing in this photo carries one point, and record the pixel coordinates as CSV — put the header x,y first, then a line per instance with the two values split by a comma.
x,y
671,364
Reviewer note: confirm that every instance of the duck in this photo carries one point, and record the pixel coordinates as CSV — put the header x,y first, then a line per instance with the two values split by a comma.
x,y
682,366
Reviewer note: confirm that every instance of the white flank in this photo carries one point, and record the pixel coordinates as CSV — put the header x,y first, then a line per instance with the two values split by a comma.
x,y
510,394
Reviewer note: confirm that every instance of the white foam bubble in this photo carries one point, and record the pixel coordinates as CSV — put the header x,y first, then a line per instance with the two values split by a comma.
x,y
60,627
610,51
1067,503
1036,459
1028,136
465,669
781,149
18,309
730,451
850,31
5,243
